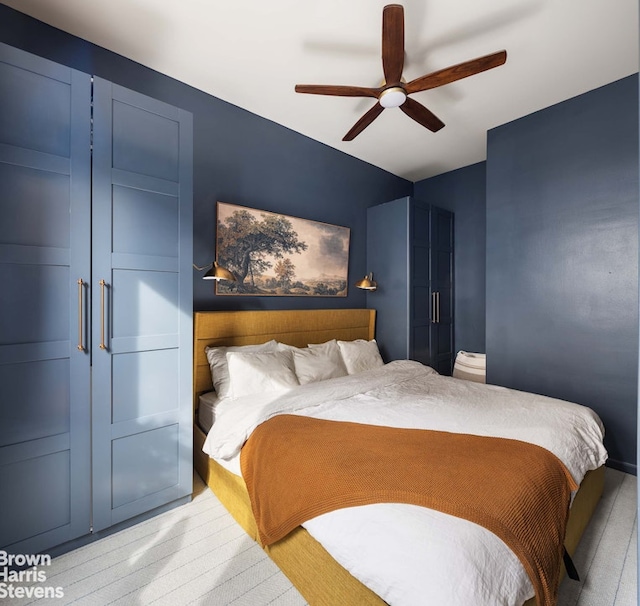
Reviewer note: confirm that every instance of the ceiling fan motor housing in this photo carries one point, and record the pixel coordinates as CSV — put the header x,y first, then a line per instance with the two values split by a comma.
x,y
393,96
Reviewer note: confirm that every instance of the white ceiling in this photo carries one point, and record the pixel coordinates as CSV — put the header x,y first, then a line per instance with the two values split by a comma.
x,y
252,52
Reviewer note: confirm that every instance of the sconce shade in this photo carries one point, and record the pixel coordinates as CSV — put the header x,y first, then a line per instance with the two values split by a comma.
x,y
216,272
367,283
219,273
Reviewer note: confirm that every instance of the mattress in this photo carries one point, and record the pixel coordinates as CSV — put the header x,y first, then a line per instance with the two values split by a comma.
x,y
207,403
373,542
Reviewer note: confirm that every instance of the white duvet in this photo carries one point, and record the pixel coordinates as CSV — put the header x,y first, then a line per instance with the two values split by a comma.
x,y
411,555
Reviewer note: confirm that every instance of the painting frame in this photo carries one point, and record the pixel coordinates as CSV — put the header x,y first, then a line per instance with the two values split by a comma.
x,y
276,255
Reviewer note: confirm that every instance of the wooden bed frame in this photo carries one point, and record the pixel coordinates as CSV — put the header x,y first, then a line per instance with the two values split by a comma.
x,y
318,577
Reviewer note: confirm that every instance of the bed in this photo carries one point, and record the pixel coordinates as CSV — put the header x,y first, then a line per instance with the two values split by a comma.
x,y
317,575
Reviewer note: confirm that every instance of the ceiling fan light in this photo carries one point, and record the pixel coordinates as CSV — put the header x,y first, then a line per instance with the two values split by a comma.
x,y
392,97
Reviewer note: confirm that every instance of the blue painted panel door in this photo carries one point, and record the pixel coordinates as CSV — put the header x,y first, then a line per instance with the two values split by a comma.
x,y
420,294
142,304
441,280
44,348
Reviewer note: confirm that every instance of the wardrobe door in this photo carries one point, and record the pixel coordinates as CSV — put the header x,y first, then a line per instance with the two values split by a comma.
x,y
142,304
441,278
44,271
421,309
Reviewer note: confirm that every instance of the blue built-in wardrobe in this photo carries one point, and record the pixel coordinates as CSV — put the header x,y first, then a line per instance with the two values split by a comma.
x,y
410,252
95,309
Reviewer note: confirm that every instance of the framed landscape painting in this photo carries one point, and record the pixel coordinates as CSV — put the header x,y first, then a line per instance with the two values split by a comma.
x,y
278,255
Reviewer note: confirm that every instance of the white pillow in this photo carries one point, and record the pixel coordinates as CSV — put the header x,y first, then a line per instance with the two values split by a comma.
x,y
318,363
217,357
285,347
326,346
261,372
360,355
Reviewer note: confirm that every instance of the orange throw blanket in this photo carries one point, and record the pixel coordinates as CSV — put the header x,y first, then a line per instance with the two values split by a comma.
x,y
296,468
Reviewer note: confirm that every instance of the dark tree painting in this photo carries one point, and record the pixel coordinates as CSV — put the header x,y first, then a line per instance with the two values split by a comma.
x,y
277,255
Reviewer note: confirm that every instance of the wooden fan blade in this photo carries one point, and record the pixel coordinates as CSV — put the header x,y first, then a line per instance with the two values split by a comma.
x,y
361,124
421,115
392,43
338,91
456,72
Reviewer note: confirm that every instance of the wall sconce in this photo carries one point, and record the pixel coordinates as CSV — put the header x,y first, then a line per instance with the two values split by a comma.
x,y
216,272
367,283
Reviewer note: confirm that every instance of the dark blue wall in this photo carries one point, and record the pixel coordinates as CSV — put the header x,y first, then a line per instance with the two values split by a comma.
x,y
463,192
555,207
561,231
239,158
562,257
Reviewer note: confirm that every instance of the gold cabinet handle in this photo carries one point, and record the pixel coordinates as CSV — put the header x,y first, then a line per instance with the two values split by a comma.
x,y
102,286
433,307
80,340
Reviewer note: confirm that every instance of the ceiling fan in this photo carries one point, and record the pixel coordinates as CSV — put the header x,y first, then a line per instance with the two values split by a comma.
x,y
395,92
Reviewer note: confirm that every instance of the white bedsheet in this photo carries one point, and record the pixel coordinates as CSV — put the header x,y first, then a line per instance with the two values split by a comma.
x,y
407,554
207,403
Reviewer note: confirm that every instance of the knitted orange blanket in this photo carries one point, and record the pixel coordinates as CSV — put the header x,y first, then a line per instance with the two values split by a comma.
x,y
296,468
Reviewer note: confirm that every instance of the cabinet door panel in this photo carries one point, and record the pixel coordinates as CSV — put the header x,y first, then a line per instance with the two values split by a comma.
x,y
421,307
145,223
35,106
445,305
420,265
40,499
34,409
420,323
444,266
24,316
44,249
420,223
421,344
443,232
145,142
145,383
145,303
442,345
27,193
142,243
145,464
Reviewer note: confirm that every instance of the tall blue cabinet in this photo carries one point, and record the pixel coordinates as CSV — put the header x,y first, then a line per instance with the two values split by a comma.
x,y
410,252
95,311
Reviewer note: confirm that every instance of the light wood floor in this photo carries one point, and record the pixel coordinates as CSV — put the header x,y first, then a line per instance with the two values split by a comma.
x,y
197,554
607,557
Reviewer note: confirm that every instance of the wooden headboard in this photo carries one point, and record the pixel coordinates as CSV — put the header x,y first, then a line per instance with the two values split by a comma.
x,y
294,327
